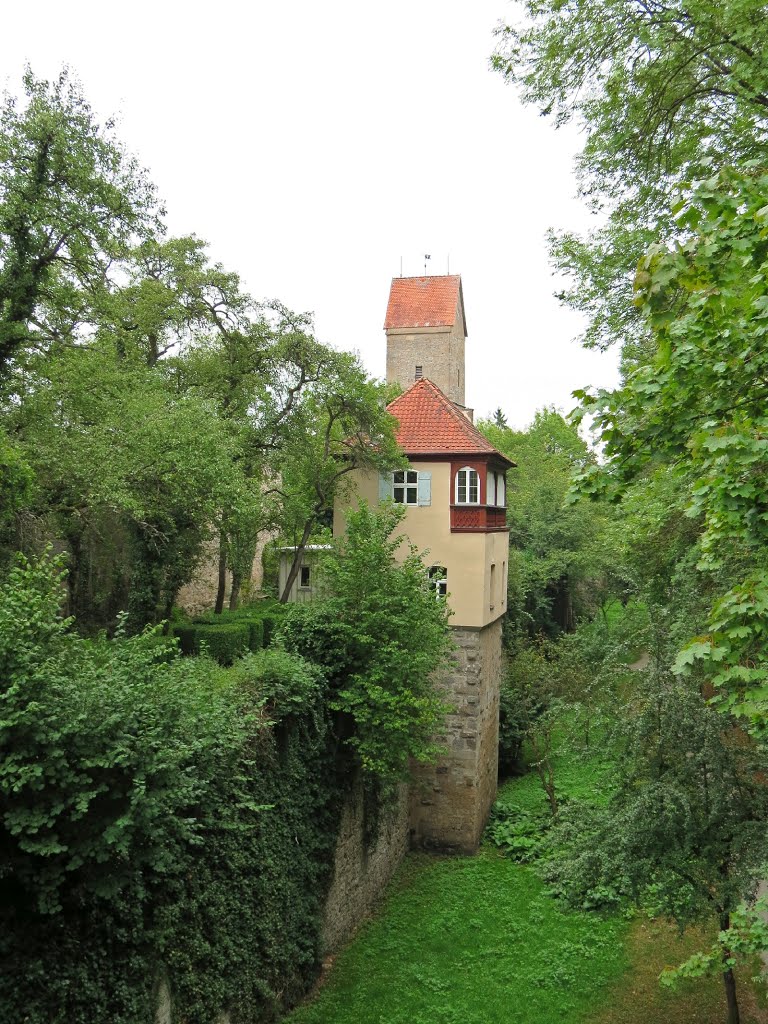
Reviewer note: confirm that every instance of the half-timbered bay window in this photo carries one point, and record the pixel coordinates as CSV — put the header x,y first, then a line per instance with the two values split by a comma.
x,y
497,496
467,487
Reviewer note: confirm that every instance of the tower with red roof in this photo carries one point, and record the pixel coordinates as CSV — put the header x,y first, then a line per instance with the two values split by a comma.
x,y
454,491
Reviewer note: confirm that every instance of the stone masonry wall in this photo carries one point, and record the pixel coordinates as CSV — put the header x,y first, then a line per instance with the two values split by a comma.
x,y
199,595
361,873
450,800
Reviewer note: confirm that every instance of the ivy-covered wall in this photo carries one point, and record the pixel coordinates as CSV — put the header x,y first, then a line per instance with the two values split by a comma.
x,y
158,819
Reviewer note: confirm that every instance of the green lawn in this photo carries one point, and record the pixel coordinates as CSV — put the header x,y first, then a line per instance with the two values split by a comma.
x,y
470,941
478,941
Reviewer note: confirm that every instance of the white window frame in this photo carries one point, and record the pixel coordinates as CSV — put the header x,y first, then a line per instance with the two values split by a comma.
x,y
501,491
408,484
438,580
464,481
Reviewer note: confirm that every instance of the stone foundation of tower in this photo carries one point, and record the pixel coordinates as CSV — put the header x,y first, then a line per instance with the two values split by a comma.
x,y
450,800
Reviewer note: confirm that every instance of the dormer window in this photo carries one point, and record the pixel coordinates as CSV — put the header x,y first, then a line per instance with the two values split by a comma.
x,y
467,487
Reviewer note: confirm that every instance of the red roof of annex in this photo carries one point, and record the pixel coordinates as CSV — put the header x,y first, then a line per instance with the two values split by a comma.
x,y
430,424
425,302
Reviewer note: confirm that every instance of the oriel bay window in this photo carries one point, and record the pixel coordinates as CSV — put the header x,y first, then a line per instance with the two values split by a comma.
x,y
478,497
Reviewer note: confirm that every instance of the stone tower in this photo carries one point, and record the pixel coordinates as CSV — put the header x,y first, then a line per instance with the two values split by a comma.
x,y
454,490
426,328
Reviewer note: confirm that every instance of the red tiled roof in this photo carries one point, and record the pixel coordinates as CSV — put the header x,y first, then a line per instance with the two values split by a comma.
x,y
425,302
430,424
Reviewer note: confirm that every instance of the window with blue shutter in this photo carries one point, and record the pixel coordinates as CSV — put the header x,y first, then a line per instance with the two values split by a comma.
x,y
425,488
406,487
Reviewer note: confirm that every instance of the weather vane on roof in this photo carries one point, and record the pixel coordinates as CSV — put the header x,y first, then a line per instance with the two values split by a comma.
x,y
425,263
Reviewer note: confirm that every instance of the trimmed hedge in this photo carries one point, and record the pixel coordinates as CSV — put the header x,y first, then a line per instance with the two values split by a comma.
x,y
225,643
223,633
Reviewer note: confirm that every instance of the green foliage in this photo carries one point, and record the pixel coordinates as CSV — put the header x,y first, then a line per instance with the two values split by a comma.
x,y
745,938
71,202
733,652
560,567
225,643
654,87
150,814
519,833
696,404
684,834
285,684
399,639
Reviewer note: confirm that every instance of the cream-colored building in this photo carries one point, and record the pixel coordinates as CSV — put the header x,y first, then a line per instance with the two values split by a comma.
x,y
454,492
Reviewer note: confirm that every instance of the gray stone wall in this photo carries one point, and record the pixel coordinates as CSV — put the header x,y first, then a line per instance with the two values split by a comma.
x,y
199,595
361,872
451,799
439,352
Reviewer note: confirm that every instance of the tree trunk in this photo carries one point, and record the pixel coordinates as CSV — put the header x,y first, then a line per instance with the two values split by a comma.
x,y
297,556
222,586
728,979
730,995
234,594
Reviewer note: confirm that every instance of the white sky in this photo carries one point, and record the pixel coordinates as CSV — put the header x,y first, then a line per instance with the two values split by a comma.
x,y
315,144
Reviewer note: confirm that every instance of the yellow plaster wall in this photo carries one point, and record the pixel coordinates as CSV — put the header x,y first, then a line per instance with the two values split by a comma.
x,y
466,556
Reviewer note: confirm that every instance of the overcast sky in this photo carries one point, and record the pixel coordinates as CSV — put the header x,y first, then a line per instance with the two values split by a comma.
x,y
315,145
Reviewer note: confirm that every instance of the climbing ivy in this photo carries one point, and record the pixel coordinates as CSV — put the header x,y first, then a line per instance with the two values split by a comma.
x,y
159,818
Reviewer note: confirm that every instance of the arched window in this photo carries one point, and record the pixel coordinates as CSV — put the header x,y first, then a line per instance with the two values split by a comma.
x,y
467,487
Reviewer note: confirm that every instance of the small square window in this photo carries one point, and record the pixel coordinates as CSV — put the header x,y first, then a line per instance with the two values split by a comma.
x,y
304,576
405,487
438,580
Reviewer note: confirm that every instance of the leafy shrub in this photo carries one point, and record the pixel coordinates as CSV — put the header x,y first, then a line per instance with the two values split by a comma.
x,y
519,833
389,634
151,820
225,642
285,684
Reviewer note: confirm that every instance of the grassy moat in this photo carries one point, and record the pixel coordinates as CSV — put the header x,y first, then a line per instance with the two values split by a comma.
x,y
479,941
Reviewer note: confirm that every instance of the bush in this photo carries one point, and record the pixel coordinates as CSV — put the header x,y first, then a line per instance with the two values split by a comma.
x,y
224,642
391,635
150,820
255,634
186,638
285,684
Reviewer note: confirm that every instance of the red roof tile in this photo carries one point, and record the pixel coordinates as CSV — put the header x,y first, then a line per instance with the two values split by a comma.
x,y
425,302
430,424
